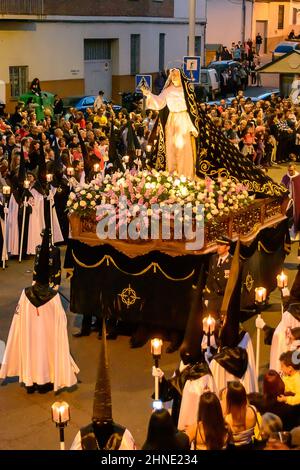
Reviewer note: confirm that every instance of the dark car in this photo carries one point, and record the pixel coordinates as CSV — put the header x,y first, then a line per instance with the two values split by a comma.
x,y
222,65
81,103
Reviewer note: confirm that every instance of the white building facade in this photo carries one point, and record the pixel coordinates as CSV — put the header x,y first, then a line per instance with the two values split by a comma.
x,y
75,53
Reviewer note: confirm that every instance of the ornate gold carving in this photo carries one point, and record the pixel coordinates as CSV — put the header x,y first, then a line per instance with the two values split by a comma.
x,y
249,281
128,296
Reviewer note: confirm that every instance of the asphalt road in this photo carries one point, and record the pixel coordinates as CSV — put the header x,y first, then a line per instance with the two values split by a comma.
x,y
26,419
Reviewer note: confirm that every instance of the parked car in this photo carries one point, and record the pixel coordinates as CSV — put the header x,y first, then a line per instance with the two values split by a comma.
x,y
285,47
209,79
222,65
263,96
83,102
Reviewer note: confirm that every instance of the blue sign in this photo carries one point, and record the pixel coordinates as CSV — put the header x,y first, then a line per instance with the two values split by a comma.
x,y
143,80
191,68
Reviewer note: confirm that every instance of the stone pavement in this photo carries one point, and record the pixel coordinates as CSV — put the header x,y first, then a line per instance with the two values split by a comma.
x,y
26,419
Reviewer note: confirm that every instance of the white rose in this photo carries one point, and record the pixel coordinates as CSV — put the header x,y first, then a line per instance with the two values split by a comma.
x,y
93,203
69,203
82,203
75,205
209,216
72,196
89,196
183,179
96,187
221,205
83,192
215,211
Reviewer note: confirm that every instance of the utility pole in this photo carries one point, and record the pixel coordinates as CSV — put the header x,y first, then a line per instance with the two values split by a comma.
x,y
192,25
243,21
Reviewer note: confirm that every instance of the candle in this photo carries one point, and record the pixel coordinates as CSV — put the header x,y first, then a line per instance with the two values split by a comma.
x,y
148,148
282,280
126,159
6,190
26,184
70,171
156,345
49,177
60,412
96,167
260,294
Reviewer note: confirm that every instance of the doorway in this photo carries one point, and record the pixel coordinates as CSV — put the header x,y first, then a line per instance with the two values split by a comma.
x,y
262,28
98,67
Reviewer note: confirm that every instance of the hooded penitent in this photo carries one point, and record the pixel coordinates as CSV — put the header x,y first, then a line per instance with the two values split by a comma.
x,y
215,155
231,357
103,432
40,293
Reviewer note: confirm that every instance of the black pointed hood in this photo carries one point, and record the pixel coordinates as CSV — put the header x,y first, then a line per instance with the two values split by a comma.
x,y
102,409
230,309
190,350
42,261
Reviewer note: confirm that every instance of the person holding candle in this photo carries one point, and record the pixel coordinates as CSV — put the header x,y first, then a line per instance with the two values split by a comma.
x,y
193,375
282,338
235,359
37,349
103,433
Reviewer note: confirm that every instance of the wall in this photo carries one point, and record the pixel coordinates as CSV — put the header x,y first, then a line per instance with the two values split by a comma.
x,y
224,22
109,8
54,51
181,9
268,11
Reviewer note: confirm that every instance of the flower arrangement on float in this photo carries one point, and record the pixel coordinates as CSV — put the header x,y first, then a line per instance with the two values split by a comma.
x,y
147,188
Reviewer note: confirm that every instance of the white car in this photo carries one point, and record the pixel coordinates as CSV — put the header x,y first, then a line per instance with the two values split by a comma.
x,y
285,47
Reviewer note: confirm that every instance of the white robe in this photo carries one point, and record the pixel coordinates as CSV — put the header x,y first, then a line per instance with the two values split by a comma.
x,y
37,349
249,379
192,391
12,227
37,222
127,442
178,129
280,341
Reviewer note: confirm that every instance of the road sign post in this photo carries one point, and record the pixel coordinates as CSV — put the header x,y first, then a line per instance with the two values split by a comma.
x,y
192,67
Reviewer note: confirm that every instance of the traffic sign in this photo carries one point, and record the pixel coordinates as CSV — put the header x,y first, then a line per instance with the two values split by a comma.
x,y
143,80
191,68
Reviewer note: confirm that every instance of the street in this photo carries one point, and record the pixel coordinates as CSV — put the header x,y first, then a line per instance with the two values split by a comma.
x,y
23,417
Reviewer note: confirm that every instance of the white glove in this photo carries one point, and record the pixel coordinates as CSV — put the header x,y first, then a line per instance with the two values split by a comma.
x,y
156,372
285,292
259,323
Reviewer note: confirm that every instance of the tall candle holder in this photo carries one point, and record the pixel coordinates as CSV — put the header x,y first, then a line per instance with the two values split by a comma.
x,y
156,347
26,185
260,300
209,325
282,283
61,417
6,193
49,178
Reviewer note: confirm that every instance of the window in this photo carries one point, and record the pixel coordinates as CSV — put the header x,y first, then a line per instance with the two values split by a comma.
x,y
97,49
280,16
135,40
197,45
295,11
18,79
161,60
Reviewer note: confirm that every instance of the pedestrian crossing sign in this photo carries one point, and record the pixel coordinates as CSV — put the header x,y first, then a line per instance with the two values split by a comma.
x,y
143,81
